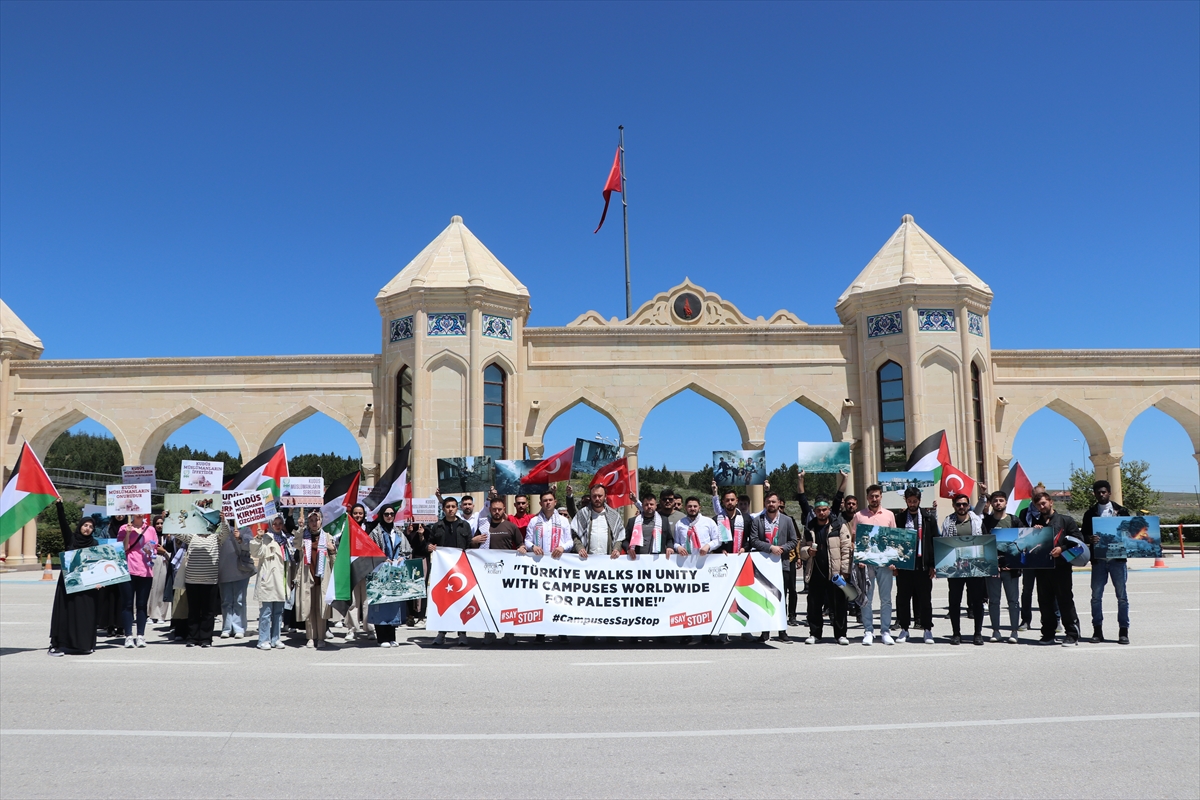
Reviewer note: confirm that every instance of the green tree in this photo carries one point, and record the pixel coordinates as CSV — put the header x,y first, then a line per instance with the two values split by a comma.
x,y
85,451
171,457
1136,493
328,465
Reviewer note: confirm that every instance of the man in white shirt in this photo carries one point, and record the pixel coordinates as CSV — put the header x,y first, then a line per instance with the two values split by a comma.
x,y
548,532
695,533
597,528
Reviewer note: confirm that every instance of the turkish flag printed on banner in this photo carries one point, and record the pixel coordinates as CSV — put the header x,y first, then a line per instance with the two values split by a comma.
x,y
454,585
551,470
956,482
617,482
470,611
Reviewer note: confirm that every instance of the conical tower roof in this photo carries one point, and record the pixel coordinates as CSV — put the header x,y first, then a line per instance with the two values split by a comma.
x,y
455,259
912,256
15,332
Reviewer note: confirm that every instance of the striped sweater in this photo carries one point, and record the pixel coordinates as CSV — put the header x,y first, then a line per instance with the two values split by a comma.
x,y
203,556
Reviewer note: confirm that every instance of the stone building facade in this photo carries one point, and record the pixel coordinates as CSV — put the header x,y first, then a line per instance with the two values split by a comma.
x,y
459,373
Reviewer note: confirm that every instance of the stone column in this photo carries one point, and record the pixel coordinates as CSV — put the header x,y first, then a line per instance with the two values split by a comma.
x,y
756,492
849,488
29,543
5,419
631,459
1003,463
1108,467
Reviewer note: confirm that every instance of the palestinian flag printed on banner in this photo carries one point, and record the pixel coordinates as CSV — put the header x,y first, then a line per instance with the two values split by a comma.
x,y
754,586
28,492
737,615
339,497
392,487
264,472
1018,490
929,456
357,557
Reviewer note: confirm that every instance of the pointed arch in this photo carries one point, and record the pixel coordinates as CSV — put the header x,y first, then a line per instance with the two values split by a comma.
x,y
1170,404
502,361
586,397
827,414
709,391
164,425
68,417
447,358
286,419
940,355
1093,432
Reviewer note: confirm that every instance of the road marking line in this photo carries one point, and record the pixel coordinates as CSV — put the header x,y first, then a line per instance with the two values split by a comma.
x,y
126,661
1143,593
633,663
897,655
6,622
409,737
367,664
1117,648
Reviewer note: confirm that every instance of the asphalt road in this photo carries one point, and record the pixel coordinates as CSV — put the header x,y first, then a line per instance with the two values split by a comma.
x,y
603,720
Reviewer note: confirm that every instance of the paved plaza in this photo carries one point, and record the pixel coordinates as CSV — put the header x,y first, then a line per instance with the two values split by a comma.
x,y
607,719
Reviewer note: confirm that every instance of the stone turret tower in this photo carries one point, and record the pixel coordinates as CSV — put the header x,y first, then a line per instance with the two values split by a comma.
x,y
921,322
450,374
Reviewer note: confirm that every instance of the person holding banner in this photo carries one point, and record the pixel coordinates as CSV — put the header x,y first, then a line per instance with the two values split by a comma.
x,y
200,578
1010,576
386,617
1055,584
140,541
733,524
270,587
548,530
648,533
914,587
881,577
596,528
1104,568
695,533
354,611
826,551
965,522
73,616
449,531
314,571
774,532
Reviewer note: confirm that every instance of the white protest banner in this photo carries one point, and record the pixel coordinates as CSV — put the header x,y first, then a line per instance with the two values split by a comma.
x,y
201,476
227,505
268,501
308,492
128,498
364,492
504,592
247,508
142,474
425,509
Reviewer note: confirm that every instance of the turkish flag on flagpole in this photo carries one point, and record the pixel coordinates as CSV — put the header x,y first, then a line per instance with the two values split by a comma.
x,y
613,184
551,470
617,482
955,481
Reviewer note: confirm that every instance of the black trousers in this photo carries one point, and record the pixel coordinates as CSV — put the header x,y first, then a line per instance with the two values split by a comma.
x,y
914,598
1055,585
822,592
385,633
976,592
789,590
1028,582
204,603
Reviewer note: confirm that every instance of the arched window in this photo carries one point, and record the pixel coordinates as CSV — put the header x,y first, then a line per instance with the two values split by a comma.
x,y
404,408
493,412
977,412
893,444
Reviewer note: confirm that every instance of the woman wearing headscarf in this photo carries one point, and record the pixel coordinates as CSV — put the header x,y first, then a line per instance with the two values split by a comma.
x,y
386,617
416,540
314,561
140,541
270,587
108,598
200,581
73,616
353,612
234,569
159,607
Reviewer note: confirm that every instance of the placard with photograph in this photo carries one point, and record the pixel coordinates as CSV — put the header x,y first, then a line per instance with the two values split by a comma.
x,y
201,476
739,467
509,475
965,556
881,546
191,513
894,484
127,498
1126,537
425,510
138,474
392,583
1025,548
464,475
823,456
302,492
93,567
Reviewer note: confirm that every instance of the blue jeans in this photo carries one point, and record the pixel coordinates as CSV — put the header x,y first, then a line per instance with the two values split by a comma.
x,y
270,622
233,605
134,596
1008,582
1101,571
881,577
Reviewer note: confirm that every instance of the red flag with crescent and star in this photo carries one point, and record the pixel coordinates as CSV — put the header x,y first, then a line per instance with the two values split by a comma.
x,y
617,482
551,470
955,481
454,585
470,611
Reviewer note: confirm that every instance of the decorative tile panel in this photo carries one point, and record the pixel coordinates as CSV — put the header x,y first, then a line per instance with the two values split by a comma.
x,y
975,323
402,328
936,319
497,327
887,324
447,325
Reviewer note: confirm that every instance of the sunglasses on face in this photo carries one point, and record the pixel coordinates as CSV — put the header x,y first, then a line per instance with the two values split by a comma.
x,y
389,513
962,505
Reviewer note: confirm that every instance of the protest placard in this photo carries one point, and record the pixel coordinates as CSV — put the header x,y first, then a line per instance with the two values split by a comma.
x,y
823,456
425,510
306,492
201,476
191,513
127,498
138,474
248,508
93,567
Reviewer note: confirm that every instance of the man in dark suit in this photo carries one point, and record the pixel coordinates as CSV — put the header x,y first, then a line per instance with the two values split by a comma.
x,y
774,532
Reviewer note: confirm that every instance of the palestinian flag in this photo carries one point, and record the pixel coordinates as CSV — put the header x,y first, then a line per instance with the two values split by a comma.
x,y
26,494
929,456
340,497
1018,489
357,557
392,488
737,615
754,586
264,472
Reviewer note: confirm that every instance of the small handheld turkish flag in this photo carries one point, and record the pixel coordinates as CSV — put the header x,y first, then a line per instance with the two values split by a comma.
x,y
955,482
616,481
454,585
613,184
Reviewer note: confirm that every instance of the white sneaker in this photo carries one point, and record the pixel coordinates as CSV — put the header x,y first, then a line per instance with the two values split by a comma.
x,y
238,634
843,641
226,634
887,639
310,643
1012,640
129,641
264,646
995,637
928,637
903,637
140,641
278,645
867,639
811,640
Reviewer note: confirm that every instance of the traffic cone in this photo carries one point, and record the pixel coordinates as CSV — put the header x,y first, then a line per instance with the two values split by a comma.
x,y
1159,563
48,572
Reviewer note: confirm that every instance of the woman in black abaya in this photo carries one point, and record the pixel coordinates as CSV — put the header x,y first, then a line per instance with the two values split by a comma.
x,y
73,618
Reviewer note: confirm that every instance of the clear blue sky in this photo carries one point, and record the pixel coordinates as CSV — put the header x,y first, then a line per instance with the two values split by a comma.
x,y
257,172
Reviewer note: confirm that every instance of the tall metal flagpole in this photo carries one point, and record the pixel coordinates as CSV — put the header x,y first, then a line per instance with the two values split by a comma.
x,y
625,215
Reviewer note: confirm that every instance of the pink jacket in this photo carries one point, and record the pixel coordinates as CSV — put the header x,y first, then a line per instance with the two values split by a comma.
x,y
139,554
